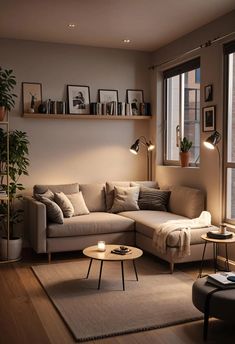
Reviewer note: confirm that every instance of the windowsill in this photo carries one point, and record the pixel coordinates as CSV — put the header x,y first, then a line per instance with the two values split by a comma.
x,y
176,166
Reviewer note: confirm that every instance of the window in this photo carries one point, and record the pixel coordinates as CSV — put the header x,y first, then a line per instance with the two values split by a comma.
x,y
182,110
229,164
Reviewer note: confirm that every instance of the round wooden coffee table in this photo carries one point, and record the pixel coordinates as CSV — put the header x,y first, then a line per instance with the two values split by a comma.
x,y
93,253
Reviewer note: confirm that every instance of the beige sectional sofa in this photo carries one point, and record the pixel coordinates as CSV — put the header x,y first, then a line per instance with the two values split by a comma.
x,y
127,228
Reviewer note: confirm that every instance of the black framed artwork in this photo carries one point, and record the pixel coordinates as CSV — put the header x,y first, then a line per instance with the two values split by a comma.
x,y
208,118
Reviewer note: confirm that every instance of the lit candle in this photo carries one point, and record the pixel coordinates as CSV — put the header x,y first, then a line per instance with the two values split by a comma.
x,y
101,246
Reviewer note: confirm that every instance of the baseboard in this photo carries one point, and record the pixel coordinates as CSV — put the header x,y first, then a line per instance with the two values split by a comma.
x,y
221,262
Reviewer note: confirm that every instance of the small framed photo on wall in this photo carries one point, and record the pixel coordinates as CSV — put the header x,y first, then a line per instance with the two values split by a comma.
x,y
208,116
32,96
208,93
78,99
135,98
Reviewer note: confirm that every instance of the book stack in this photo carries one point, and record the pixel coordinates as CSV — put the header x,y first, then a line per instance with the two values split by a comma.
x,y
223,280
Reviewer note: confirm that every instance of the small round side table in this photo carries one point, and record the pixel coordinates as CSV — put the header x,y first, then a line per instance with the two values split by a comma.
x,y
215,243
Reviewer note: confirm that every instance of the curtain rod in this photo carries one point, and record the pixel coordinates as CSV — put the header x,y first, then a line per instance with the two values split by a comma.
x,y
204,45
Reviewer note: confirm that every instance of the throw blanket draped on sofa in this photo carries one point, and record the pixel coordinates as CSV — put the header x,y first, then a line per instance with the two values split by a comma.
x,y
183,226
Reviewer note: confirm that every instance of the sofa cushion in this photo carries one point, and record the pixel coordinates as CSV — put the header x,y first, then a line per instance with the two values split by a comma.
x,y
94,223
54,213
186,201
94,196
78,203
125,199
109,192
64,203
147,220
65,188
153,199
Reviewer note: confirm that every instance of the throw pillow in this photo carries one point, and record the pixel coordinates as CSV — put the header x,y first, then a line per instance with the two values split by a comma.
x,y
153,199
64,203
125,199
54,213
78,203
48,194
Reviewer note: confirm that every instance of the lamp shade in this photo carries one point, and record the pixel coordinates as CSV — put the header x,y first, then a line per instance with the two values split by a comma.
x,y
212,140
135,147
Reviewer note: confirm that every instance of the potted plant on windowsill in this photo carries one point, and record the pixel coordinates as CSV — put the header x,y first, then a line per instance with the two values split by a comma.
x,y
7,84
18,165
185,146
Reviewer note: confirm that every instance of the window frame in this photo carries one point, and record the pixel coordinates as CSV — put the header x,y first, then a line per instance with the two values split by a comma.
x,y
229,48
178,70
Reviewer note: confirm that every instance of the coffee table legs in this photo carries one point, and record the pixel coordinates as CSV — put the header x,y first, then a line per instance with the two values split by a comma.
x,y
101,267
122,269
89,268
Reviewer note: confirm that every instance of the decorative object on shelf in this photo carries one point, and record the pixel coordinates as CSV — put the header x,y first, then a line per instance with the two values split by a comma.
x,y
185,146
110,99
78,99
7,84
208,93
135,98
42,108
149,148
32,96
209,118
16,163
101,246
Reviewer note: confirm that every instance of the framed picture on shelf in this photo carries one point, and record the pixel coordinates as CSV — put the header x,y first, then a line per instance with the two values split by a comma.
x,y
208,118
135,98
32,96
78,99
110,99
208,93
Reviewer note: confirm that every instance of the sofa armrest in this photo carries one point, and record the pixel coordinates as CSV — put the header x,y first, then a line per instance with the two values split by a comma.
x,y
37,224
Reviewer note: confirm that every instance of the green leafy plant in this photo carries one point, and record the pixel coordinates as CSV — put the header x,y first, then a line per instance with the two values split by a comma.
x,y
185,145
7,84
18,166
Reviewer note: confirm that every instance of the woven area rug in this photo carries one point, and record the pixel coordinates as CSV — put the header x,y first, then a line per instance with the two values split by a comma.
x,y
157,300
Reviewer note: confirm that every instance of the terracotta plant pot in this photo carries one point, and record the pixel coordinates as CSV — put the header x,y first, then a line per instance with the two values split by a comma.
x,y
184,159
2,113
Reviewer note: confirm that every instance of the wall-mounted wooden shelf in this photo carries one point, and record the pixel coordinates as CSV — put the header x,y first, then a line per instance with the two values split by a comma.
x,y
93,117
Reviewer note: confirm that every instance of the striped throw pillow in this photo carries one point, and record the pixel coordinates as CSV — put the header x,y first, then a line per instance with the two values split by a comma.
x,y
153,199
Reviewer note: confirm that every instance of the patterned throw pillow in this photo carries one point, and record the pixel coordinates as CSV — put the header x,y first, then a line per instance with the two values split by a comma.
x,y
64,203
48,194
125,199
153,199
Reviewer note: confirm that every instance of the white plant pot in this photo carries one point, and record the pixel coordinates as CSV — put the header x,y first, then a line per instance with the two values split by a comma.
x,y
14,249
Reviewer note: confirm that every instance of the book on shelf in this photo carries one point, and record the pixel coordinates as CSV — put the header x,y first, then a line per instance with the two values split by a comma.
x,y
221,280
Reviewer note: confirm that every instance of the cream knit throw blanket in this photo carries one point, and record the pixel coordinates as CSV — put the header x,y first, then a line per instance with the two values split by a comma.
x,y
183,226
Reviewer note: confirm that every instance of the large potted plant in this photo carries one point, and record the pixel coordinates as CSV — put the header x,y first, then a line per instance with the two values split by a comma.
x,y
185,146
7,84
18,165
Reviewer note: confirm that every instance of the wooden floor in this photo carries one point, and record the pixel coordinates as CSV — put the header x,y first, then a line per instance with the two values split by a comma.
x,y
27,315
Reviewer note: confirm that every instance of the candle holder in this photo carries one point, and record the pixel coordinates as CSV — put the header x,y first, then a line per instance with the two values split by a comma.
x,y
101,246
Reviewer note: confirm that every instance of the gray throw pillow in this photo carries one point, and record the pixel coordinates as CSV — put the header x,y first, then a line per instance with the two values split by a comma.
x,y
153,199
78,203
125,199
54,213
48,194
64,203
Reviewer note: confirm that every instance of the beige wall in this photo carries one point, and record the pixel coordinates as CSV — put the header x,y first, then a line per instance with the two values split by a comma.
x,y
207,177
64,151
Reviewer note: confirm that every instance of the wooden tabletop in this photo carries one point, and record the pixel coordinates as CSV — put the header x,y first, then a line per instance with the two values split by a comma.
x,y
92,252
225,241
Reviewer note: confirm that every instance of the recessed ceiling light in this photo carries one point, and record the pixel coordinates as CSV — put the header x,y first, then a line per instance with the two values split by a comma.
x,y
126,40
72,25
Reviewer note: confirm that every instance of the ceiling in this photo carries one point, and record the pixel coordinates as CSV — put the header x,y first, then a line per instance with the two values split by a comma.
x,y
149,24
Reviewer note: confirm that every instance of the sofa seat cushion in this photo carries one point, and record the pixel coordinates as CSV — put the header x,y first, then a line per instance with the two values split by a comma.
x,y
93,223
147,220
